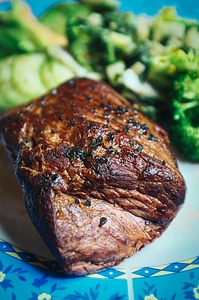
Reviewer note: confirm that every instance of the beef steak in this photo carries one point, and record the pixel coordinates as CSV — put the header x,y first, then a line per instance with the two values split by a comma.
x,y
99,178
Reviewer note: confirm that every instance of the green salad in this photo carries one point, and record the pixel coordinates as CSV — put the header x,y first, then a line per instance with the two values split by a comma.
x,y
151,61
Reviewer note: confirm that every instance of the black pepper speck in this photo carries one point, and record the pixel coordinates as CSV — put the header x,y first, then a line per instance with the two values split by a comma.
x,y
55,177
144,128
121,110
91,125
88,202
77,201
133,154
95,144
103,160
131,143
106,114
152,138
111,137
110,150
103,221
100,170
99,138
72,122
127,128
139,148
89,97
118,151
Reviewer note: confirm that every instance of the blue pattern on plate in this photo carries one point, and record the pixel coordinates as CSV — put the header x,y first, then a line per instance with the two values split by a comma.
x,y
25,276
178,286
23,281
179,280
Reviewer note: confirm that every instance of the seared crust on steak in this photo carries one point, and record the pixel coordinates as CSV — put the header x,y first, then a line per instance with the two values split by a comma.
x,y
99,178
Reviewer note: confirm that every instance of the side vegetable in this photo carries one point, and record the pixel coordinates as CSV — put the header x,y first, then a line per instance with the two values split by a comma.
x,y
185,114
138,55
21,32
19,85
33,57
27,76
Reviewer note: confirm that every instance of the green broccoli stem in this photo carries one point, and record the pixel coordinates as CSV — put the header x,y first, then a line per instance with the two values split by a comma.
x,y
110,50
189,105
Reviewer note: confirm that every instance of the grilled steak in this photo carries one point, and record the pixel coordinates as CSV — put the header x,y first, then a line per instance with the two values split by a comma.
x,y
98,177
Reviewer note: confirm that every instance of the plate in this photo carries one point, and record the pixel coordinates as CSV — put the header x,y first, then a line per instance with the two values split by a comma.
x,y
28,271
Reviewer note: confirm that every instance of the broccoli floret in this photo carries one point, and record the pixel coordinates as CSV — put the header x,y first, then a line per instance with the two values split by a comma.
x,y
185,114
164,69
83,39
96,41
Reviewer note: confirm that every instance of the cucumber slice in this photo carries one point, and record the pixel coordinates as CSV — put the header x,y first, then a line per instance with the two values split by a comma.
x,y
61,72
192,37
53,73
46,75
9,96
25,74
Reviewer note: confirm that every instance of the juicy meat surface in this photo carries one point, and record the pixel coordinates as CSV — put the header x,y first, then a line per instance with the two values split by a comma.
x,y
98,177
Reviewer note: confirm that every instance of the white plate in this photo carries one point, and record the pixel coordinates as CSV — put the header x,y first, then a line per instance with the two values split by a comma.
x,y
29,271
